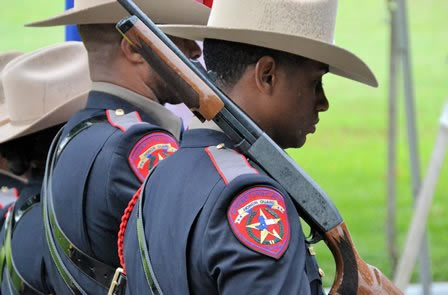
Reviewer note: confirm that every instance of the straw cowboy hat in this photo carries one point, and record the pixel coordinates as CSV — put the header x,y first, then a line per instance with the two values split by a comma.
x,y
301,27
5,58
44,88
110,11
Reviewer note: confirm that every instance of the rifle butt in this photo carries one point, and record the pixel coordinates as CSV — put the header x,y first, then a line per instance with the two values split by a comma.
x,y
353,275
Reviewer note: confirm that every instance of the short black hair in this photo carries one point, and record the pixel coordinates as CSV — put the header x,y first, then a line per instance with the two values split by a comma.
x,y
29,151
102,41
229,60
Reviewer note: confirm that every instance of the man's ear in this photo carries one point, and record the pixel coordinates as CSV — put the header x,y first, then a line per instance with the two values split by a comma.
x,y
266,74
130,53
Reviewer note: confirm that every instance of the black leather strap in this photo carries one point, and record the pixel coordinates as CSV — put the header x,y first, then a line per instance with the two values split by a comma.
x,y
95,269
91,267
16,283
70,282
143,246
78,129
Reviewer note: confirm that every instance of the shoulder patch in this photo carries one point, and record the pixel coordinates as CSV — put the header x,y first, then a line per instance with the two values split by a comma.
x,y
123,121
149,151
229,163
259,220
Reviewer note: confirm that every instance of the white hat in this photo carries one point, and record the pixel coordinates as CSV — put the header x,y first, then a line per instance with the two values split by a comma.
x,y
44,88
5,58
301,27
110,11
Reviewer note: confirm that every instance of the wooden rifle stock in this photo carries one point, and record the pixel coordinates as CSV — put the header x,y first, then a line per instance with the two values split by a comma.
x,y
194,92
353,275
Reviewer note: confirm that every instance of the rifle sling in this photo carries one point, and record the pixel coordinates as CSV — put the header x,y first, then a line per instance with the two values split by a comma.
x,y
56,238
143,245
15,282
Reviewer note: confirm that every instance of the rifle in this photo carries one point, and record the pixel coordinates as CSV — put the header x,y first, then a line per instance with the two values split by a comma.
x,y
353,275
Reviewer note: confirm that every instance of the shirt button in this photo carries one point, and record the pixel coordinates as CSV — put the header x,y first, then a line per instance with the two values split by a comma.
x,y
119,112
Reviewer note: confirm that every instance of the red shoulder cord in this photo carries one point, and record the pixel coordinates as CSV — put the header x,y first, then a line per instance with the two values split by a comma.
x,y
123,225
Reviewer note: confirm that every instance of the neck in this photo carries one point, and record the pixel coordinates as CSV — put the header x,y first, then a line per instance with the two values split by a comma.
x,y
117,76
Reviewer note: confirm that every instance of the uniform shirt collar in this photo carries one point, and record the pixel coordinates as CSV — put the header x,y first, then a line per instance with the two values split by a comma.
x,y
130,101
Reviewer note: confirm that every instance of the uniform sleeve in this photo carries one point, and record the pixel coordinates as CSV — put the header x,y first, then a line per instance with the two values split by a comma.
x,y
139,150
254,244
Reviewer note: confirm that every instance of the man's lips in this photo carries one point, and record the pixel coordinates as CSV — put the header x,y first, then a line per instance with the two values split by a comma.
x,y
313,127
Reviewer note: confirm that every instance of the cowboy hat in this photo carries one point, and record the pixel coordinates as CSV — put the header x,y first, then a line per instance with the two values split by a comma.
x,y
44,88
5,58
110,11
301,27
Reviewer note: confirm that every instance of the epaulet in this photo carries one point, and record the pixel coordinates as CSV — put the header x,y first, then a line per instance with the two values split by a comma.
x,y
229,163
122,121
8,196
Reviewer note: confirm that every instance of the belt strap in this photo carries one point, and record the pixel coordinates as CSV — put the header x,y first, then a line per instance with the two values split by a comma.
x,y
94,269
70,282
16,283
143,246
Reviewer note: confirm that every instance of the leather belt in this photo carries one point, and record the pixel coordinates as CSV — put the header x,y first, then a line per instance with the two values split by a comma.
x,y
15,282
143,245
95,269
91,267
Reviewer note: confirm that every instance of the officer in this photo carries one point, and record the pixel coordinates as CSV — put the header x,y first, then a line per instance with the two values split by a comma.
x,y
10,184
107,149
38,103
220,225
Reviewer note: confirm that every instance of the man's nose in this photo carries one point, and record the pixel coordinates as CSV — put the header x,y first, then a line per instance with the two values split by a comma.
x,y
322,104
193,49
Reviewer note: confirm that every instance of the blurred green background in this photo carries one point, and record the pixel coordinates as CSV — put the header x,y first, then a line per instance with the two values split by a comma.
x,y
348,154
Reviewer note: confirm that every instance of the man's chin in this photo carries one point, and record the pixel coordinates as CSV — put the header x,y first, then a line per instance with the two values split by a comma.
x,y
301,143
298,143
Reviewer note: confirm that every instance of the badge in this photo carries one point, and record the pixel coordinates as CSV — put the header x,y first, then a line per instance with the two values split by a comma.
x,y
258,219
149,151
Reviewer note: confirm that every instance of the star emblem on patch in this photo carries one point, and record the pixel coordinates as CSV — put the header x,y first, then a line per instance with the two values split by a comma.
x,y
259,220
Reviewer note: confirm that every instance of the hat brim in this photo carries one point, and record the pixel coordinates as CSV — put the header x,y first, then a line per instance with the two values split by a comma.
x,y
58,115
341,62
168,12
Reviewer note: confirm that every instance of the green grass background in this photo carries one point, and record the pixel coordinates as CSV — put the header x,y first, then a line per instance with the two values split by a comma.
x,y
348,154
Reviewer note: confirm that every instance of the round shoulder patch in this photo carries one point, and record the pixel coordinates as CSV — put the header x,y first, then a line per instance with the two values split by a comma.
x,y
258,219
149,151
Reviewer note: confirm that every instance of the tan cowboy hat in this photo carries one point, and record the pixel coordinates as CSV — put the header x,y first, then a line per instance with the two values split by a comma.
x,y
5,58
110,11
301,27
44,88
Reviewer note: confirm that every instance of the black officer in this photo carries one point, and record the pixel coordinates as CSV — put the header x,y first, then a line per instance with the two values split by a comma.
x,y
219,225
107,149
